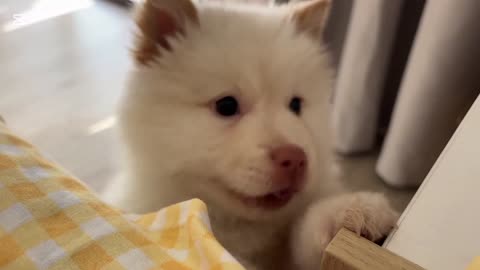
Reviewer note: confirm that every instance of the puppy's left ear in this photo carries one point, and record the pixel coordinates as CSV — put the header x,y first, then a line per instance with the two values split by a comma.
x,y
311,17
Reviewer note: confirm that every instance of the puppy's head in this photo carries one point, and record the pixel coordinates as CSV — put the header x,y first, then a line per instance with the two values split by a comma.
x,y
230,102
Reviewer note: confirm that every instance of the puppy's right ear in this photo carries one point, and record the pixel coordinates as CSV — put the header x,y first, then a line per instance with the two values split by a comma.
x,y
159,20
311,16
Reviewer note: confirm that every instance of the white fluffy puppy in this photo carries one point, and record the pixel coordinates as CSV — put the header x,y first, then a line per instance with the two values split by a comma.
x,y
228,103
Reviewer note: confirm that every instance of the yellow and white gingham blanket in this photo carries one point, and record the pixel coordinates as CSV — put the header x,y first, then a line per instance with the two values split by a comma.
x,y
48,220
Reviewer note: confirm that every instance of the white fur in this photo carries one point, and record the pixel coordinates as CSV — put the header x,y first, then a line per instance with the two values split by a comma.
x,y
177,148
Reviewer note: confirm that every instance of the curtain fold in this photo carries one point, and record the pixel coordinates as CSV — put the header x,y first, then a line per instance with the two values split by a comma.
x,y
437,87
440,82
362,72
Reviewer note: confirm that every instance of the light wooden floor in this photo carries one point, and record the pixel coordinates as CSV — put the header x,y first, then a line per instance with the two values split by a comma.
x,y
60,79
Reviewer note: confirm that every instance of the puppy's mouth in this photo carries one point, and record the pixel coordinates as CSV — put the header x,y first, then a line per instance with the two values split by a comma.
x,y
270,201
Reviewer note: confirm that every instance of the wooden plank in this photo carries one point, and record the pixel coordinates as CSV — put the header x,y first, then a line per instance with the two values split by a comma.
x,y
348,251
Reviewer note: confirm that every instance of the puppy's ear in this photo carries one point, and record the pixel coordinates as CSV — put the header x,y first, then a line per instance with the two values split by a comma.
x,y
159,20
311,17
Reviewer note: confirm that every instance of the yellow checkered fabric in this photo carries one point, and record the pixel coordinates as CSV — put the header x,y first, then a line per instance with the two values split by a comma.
x,y
48,220
475,264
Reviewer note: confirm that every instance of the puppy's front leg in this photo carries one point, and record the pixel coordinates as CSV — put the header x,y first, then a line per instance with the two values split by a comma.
x,y
367,214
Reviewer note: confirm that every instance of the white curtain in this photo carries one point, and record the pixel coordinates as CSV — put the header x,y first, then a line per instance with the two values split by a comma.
x,y
427,73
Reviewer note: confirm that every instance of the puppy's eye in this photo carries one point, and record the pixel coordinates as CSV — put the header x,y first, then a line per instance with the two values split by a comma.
x,y
296,105
227,106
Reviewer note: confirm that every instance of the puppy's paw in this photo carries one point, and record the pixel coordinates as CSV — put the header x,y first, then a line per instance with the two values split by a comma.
x,y
367,214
